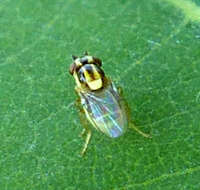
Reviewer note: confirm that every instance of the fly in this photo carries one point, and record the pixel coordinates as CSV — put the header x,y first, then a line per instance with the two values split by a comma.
x,y
100,100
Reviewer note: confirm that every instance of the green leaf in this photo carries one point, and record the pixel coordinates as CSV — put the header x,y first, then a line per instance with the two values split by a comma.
x,y
149,48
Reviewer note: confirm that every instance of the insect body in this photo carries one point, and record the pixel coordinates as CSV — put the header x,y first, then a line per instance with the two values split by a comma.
x,y
104,110
100,99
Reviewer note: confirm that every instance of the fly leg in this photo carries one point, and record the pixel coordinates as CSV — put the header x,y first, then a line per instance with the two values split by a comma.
x,y
83,132
87,140
131,125
86,131
128,113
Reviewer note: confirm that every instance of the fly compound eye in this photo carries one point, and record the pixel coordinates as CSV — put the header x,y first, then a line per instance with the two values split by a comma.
x,y
72,67
97,61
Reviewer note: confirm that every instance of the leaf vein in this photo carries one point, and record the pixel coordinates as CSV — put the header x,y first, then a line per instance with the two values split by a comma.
x,y
164,41
164,177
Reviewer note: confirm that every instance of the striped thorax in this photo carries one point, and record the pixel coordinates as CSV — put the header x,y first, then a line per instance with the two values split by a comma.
x,y
87,72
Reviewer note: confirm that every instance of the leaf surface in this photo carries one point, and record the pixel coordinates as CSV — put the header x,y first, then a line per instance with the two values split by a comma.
x,y
149,48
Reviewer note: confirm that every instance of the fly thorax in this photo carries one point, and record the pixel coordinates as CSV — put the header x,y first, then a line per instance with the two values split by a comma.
x,y
92,76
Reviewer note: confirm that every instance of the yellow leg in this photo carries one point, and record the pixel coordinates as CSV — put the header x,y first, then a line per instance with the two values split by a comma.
x,y
87,140
83,132
131,125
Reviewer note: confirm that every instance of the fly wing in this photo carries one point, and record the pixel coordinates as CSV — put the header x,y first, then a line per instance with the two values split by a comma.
x,y
105,111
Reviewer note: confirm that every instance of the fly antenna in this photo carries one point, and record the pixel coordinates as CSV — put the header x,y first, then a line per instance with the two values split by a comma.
x,y
74,57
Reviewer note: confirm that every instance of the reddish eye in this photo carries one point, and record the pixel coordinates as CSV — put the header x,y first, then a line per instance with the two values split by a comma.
x,y
72,68
97,61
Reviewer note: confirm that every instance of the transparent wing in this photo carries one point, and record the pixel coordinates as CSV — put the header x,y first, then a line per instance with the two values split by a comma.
x,y
105,111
